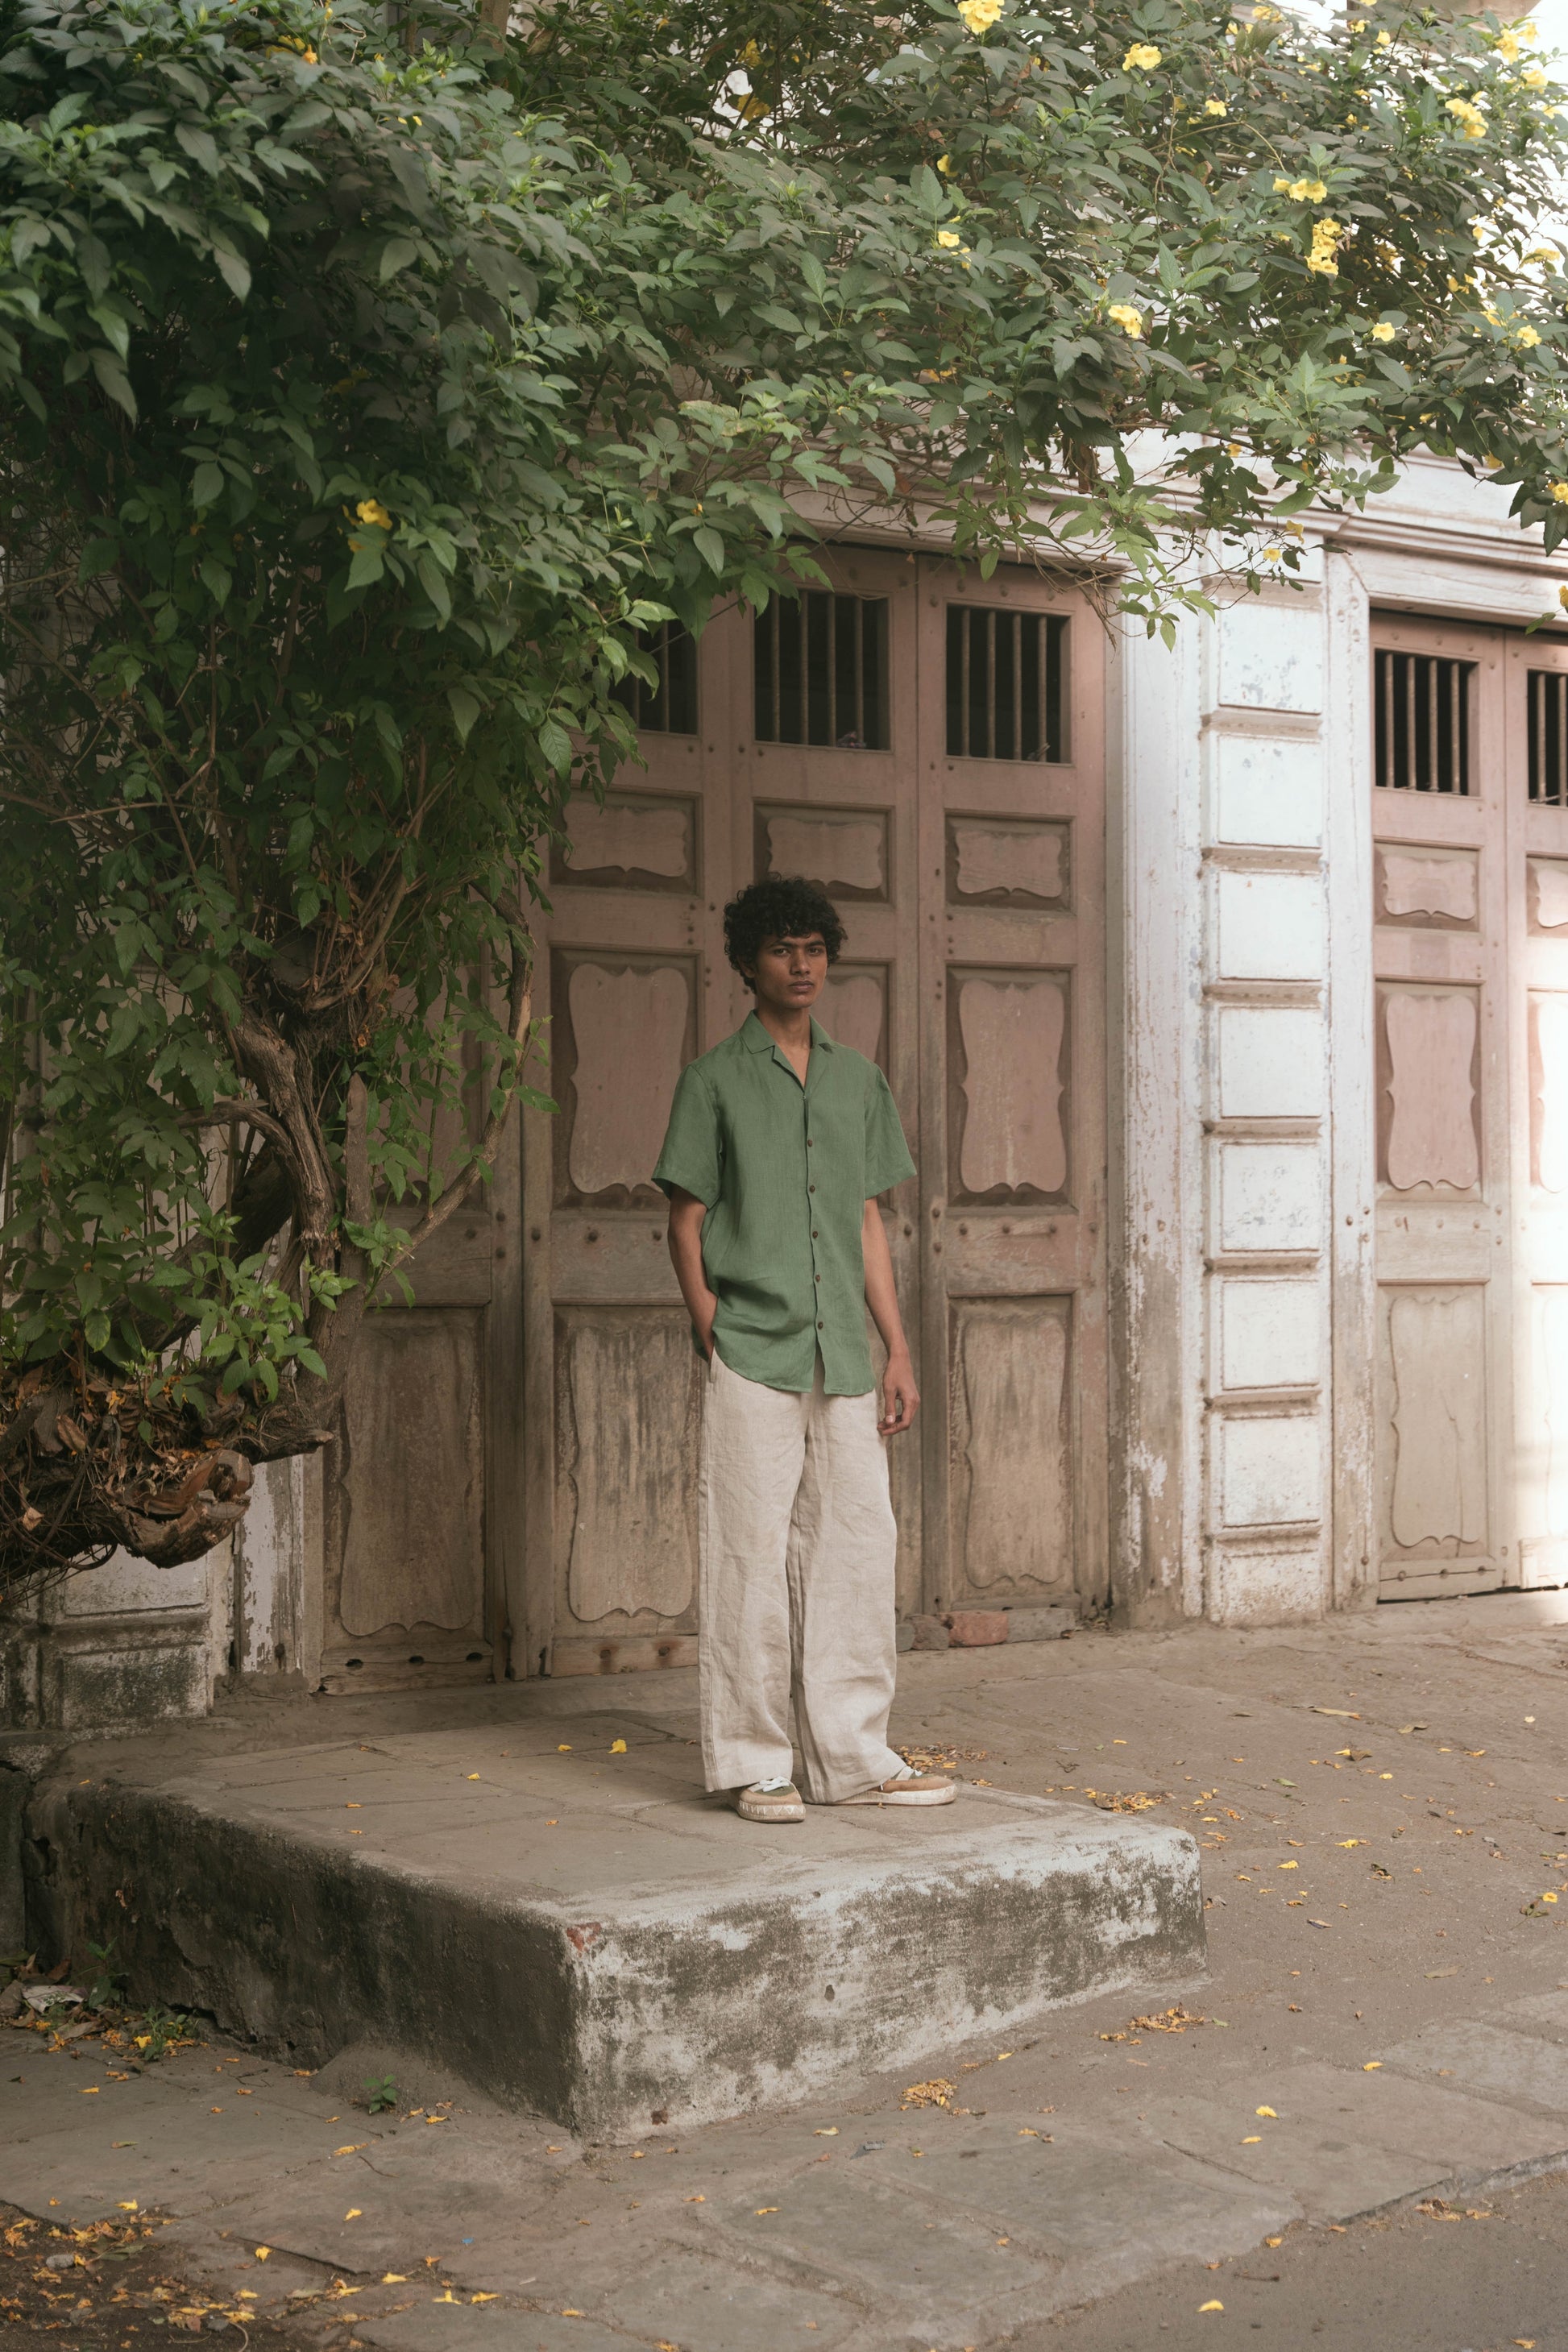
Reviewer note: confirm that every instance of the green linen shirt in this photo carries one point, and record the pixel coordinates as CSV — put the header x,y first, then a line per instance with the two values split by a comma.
x,y
784,1172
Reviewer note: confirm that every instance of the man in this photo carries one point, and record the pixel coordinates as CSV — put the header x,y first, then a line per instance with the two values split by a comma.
x,y
779,1142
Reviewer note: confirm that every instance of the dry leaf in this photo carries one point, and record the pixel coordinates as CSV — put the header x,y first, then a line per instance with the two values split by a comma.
x,y
936,2094
827,2131
1344,1714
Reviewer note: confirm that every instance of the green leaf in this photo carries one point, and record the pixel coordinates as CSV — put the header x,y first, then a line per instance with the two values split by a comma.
x,y
395,255
113,380
206,485
709,546
465,709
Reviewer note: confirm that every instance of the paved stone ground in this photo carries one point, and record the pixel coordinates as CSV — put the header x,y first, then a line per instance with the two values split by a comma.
x,y
1382,1805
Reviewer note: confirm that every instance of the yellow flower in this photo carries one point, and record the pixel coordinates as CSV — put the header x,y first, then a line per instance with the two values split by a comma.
x,y
1142,56
1525,33
1325,240
1384,38
978,16
1546,254
944,164
1560,492
1470,116
372,511
1302,192
1382,332
949,239
1356,25
1271,555
1534,79
1130,320
1562,600
1508,45
1281,187
1217,107
1526,338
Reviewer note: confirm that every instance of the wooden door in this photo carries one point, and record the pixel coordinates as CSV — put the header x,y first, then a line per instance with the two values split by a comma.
x,y
1013,1159
813,741
421,1516
1536,671
1445,830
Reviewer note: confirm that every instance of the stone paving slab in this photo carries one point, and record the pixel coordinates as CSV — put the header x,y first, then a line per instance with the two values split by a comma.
x,y
1518,2067
649,1951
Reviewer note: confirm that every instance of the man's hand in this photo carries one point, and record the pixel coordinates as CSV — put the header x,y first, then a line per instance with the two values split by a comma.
x,y
901,1398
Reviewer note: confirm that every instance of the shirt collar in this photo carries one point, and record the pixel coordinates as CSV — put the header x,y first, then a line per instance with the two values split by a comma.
x,y
756,1040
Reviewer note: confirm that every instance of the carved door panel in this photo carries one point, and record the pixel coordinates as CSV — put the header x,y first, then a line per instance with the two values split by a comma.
x,y
420,1495
633,983
1013,1171
825,785
1537,783
1446,1096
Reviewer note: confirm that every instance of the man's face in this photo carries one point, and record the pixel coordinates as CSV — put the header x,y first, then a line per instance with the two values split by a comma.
x,y
790,971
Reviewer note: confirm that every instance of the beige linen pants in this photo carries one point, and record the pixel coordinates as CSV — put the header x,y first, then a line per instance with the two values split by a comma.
x,y
797,1549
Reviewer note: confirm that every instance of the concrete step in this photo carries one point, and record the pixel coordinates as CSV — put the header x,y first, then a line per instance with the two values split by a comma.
x,y
581,1931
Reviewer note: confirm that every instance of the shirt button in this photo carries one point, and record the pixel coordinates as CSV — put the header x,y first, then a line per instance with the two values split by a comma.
x,y
809,1141
811,1188
814,1235
819,1326
817,1277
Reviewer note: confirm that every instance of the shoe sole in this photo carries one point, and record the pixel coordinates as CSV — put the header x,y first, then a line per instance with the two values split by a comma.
x,y
791,1813
913,1797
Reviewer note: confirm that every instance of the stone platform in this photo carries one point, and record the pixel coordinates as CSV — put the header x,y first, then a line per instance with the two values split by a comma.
x,y
486,1882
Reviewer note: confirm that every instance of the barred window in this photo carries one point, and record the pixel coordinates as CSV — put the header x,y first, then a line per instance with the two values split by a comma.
x,y
1549,737
1007,676
670,706
1423,723
820,671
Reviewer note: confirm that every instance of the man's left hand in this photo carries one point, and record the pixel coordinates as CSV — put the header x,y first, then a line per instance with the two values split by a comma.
x,y
901,1398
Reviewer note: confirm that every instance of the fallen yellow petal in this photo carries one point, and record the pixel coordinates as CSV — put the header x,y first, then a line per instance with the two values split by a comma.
x,y
564,1749
1211,2306
471,1776
128,2205
571,2312
352,2149
827,2131
617,1747
484,2298
353,2214
764,2209
262,2252
1253,2139
394,2278
1371,2066
1266,2111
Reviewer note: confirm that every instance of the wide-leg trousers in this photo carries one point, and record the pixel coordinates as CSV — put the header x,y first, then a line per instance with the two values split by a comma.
x,y
798,1547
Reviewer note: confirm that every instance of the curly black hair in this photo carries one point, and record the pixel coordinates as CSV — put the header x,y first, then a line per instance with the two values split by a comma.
x,y
784,907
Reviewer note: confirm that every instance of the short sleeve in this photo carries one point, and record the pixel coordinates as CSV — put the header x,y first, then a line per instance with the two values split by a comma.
x,y
888,1160
690,1155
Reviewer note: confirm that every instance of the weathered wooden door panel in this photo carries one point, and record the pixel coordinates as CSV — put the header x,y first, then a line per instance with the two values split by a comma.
x,y
1013,1090
1537,748
1443,1018
814,742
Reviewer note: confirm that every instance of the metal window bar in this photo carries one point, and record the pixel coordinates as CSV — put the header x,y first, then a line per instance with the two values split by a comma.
x,y
1549,737
670,708
1422,723
1006,680
820,671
